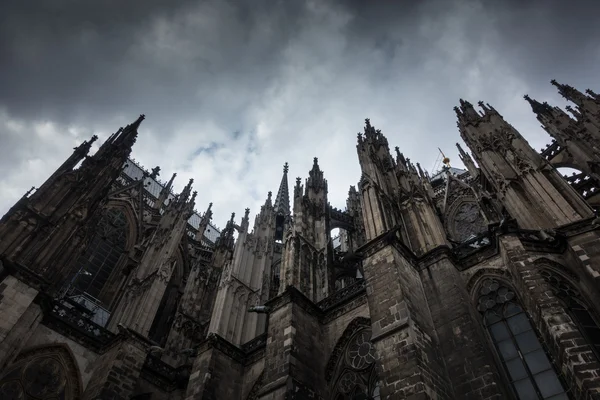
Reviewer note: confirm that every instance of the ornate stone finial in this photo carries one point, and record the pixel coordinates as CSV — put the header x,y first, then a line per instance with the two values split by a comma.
x,y
315,161
93,139
285,168
269,195
232,217
155,172
368,122
247,212
553,81
298,181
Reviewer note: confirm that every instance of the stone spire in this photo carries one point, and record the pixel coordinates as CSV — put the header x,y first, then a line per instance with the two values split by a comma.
x,y
204,223
570,93
467,160
164,193
315,182
282,201
537,107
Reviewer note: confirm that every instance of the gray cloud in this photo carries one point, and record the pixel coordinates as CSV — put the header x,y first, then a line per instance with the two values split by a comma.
x,y
232,89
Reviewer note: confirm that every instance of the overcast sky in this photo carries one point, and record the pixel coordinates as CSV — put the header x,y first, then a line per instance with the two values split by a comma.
x,y
233,89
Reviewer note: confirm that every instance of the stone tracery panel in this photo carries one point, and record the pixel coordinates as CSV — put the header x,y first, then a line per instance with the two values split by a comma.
x,y
42,373
464,219
354,371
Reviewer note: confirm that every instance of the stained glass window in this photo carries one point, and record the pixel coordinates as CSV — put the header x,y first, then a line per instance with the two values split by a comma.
x,y
526,363
103,253
577,308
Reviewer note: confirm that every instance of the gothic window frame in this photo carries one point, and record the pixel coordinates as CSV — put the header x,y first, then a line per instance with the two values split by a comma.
x,y
116,274
452,214
507,334
352,367
572,296
58,354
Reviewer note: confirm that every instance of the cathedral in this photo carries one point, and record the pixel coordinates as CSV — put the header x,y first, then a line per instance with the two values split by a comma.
x,y
476,283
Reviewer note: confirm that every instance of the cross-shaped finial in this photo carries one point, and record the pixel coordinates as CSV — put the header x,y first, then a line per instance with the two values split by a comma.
x,y
285,168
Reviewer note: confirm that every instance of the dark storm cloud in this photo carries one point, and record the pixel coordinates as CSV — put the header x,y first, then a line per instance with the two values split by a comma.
x,y
66,59
232,89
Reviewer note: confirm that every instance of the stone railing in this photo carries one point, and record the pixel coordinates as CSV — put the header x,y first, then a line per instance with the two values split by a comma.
x,y
342,295
73,323
258,342
473,245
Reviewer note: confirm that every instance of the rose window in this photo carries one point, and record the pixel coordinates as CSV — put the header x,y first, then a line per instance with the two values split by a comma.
x,y
492,294
361,352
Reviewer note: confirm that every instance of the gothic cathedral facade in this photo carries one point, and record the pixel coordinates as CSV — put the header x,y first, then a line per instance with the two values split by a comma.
x,y
481,283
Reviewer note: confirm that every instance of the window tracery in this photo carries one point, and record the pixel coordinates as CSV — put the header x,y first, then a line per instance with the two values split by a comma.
x,y
357,378
46,373
103,254
526,364
585,319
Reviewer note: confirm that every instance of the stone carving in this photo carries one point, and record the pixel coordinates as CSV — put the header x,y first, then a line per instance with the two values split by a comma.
x,y
466,221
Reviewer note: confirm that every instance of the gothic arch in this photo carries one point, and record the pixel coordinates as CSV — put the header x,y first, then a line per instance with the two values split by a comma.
x,y
518,349
354,326
42,372
475,281
132,220
101,271
565,286
544,262
351,370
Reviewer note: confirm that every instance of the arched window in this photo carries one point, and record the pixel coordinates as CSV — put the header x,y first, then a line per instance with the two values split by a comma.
x,y
577,308
102,255
42,373
357,378
527,365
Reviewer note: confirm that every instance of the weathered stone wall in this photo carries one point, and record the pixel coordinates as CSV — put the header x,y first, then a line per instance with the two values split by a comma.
x,y
403,335
116,372
252,372
460,334
294,360
333,330
19,317
215,375
585,253
574,357
143,386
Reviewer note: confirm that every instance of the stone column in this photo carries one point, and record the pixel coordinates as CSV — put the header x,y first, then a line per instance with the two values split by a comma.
x,y
410,363
294,348
573,356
